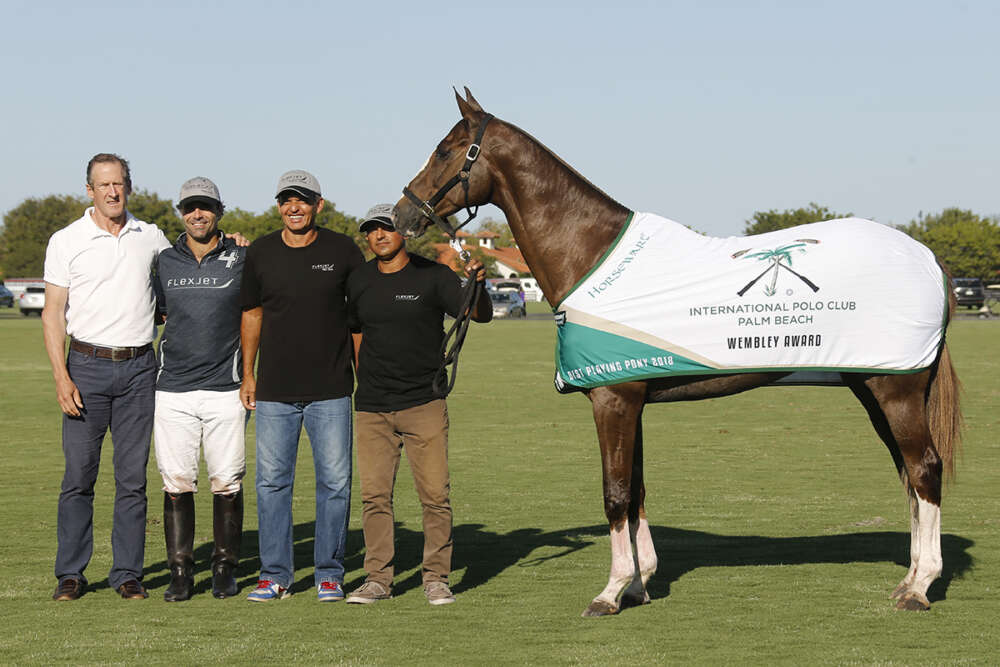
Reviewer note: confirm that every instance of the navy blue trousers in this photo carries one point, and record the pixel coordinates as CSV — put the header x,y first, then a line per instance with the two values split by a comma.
x,y
118,395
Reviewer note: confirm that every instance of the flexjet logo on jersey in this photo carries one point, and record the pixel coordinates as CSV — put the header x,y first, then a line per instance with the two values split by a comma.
x,y
407,297
191,283
323,267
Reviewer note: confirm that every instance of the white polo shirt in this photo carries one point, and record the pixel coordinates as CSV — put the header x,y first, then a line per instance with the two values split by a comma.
x,y
111,301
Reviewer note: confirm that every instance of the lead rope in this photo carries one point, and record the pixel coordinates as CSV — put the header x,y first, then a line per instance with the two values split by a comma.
x,y
449,356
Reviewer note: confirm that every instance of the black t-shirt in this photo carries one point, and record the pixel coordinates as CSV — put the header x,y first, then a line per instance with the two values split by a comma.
x,y
401,318
305,349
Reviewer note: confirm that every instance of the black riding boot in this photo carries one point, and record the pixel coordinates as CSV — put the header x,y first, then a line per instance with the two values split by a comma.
x,y
228,528
178,524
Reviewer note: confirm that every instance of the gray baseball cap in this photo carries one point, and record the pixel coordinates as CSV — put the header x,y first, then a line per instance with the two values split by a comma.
x,y
299,181
201,188
379,213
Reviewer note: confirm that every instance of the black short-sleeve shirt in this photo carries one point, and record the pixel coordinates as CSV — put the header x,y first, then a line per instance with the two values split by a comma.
x,y
401,318
305,349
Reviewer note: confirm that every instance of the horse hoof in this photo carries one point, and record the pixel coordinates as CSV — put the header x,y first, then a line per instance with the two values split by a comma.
x,y
599,608
634,599
900,591
913,602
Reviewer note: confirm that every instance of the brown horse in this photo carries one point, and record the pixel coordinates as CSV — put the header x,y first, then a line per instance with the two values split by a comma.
x,y
564,225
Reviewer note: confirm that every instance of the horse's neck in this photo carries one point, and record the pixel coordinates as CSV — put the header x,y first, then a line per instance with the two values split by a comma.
x,y
563,224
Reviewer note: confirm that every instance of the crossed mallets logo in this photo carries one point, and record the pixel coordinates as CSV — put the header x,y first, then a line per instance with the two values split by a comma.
x,y
776,258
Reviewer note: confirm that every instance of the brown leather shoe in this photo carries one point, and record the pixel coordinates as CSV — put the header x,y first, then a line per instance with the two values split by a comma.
x,y
132,590
68,589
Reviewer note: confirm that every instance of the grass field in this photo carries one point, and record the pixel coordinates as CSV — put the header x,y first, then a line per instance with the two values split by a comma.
x,y
780,526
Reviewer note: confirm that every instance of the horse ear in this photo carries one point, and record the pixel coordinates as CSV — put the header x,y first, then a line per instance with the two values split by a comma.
x,y
468,111
472,100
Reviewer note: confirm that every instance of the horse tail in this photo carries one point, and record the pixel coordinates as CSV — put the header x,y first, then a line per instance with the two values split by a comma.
x,y
944,411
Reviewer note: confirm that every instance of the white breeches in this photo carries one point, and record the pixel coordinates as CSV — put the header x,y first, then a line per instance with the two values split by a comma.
x,y
183,422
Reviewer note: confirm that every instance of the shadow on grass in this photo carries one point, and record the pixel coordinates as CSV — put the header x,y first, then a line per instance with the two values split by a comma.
x,y
157,575
487,554
484,554
681,551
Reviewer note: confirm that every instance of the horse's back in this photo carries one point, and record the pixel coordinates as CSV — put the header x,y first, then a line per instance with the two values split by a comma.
x,y
846,295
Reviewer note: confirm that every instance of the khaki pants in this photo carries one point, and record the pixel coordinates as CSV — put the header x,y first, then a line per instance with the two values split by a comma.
x,y
423,431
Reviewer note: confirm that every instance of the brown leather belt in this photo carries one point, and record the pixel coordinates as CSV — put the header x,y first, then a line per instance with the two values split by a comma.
x,y
112,353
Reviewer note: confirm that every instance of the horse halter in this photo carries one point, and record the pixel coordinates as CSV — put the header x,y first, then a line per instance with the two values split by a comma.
x,y
442,384
427,207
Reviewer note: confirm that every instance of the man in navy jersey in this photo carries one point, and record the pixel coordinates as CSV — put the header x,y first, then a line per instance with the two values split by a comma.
x,y
295,317
397,302
197,389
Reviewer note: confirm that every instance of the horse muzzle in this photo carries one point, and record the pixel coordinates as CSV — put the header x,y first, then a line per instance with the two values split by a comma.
x,y
410,221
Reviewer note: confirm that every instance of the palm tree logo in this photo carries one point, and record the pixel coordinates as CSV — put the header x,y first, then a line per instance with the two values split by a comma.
x,y
776,258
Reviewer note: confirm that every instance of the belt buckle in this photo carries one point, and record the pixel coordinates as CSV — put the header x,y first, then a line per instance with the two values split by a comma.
x,y
121,353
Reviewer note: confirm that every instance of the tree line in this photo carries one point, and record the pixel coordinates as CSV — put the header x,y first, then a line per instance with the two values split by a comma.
x,y
28,226
968,244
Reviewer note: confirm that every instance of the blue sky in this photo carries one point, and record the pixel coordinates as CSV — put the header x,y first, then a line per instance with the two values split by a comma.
x,y
703,112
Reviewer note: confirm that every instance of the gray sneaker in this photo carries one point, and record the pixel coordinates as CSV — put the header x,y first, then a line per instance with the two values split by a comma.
x,y
437,592
368,592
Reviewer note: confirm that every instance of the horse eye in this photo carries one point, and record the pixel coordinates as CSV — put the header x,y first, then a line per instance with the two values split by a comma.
x,y
442,152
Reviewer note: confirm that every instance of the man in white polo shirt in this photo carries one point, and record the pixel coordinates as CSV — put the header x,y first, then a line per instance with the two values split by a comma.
x,y
98,289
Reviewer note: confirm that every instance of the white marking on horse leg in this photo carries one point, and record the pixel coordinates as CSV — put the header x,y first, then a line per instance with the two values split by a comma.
x,y
911,502
622,567
928,539
644,561
645,550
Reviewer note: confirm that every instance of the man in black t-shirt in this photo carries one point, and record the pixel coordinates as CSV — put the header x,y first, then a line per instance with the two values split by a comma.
x,y
397,302
294,313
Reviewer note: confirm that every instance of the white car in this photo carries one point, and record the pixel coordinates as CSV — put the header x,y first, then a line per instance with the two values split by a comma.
x,y
32,301
532,292
507,304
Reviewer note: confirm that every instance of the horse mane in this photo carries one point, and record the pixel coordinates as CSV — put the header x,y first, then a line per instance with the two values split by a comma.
x,y
568,167
556,197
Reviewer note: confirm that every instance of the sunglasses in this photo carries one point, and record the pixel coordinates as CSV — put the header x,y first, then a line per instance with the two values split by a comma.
x,y
292,194
371,225
187,207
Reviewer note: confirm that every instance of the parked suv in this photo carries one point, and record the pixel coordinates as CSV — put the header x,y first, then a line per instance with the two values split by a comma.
x,y
6,297
32,300
969,292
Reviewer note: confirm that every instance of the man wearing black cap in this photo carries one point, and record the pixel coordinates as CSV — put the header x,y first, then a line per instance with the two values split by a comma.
x,y
397,302
197,388
295,316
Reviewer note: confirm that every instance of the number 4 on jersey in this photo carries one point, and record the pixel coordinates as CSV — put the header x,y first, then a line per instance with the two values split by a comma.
x,y
229,259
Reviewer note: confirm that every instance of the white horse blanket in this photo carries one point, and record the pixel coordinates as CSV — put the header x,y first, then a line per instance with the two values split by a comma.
x,y
847,295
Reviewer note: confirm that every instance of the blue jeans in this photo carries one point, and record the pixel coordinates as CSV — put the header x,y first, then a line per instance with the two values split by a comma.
x,y
328,424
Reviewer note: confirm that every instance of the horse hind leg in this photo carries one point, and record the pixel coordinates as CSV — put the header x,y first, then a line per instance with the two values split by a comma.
x,y
925,554
643,550
897,407
616,414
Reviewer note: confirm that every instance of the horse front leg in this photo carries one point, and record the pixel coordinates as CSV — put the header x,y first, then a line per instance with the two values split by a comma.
x,y
616,413
642,541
